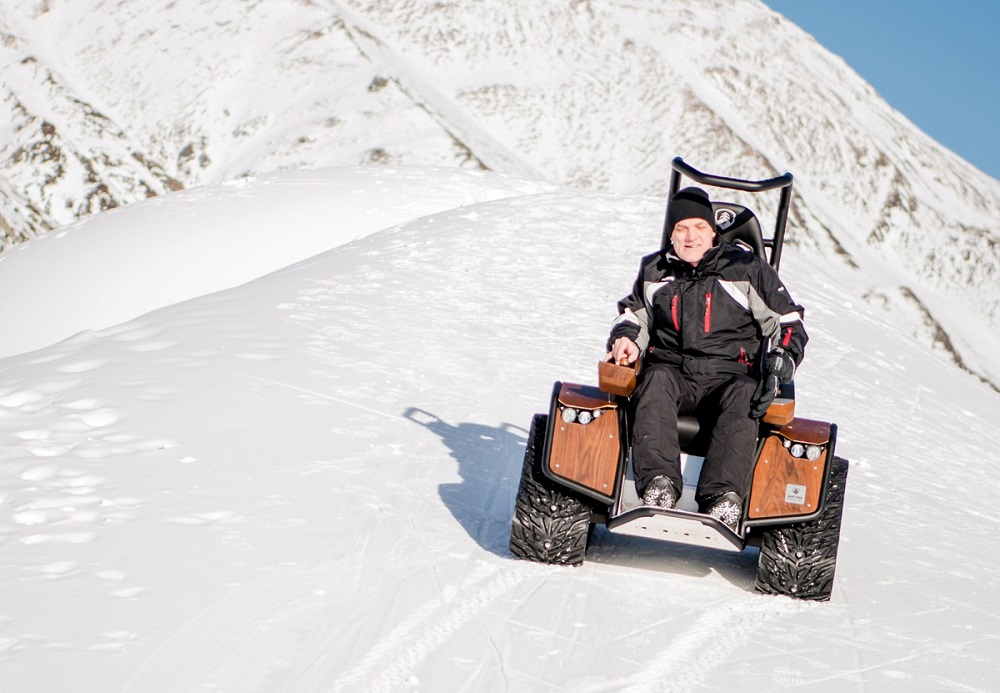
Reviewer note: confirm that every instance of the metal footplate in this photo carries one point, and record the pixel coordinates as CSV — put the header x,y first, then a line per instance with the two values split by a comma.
x,y
680,526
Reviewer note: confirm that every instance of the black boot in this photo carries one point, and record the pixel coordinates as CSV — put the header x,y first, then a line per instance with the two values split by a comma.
x,y
727,508
660,493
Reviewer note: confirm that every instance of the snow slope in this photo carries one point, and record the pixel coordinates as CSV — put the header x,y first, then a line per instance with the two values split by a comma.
x,y
100,108
304,482
219,237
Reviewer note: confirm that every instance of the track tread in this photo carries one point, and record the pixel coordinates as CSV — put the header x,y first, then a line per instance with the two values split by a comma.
x,y
800,560
550,523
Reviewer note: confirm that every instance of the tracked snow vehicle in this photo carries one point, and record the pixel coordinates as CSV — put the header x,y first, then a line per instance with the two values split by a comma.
x,y
577,469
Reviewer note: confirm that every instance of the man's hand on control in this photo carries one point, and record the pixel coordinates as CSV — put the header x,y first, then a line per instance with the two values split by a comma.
x,y
624,351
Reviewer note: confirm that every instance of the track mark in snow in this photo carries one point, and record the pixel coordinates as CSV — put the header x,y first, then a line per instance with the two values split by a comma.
x,y
354,404
409,643
686,660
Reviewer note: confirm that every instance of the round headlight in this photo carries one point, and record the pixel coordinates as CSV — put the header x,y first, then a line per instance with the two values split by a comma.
x,y
569,415
813,452
787,443
585,417
597,413
797,450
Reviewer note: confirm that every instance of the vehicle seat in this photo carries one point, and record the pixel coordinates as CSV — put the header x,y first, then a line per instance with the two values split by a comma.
x,y
692,439
738,224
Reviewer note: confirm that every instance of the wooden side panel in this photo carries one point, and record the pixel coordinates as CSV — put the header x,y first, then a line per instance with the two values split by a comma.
x,y
784,485
587,454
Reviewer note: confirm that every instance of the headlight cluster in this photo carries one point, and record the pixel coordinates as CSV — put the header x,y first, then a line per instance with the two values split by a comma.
x,y
582,416
810,452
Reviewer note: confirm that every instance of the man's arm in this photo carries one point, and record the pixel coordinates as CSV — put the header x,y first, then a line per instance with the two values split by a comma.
x,y
630,333
783,326
781,319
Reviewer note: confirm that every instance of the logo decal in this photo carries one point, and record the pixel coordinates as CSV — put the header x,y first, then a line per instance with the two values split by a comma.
x,y
795,494
724,218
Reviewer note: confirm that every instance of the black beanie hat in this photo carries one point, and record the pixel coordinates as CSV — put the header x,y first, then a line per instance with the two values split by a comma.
x,y
690,203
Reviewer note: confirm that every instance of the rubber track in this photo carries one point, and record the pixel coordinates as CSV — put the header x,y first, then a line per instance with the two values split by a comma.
x,y
550,525
800,560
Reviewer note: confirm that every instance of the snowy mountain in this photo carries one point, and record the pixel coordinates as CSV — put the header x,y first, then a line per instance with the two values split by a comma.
x,y
112,105
261,423
304,483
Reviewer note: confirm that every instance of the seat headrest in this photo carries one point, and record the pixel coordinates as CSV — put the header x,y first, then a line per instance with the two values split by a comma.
x,y
738,224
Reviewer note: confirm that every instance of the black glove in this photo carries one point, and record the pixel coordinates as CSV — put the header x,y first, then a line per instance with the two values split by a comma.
x,y
778,367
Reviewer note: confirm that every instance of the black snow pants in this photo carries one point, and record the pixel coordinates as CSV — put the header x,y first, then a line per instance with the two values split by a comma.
x,y
664,391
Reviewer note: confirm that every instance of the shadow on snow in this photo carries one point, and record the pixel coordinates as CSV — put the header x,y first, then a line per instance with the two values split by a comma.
x,y
489,463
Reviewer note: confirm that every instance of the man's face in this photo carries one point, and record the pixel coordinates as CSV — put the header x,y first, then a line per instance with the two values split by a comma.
x,y
692,238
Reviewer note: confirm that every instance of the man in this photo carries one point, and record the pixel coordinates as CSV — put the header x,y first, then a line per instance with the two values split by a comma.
x,y
700,314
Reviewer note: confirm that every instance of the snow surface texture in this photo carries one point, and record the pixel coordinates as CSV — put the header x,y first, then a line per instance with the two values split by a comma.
x,y
305,482
104,105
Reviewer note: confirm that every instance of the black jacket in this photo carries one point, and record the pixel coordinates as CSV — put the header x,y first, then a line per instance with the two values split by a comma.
x,y
716,317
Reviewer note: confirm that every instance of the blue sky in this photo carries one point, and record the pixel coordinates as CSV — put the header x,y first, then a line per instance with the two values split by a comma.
x,y
935,61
